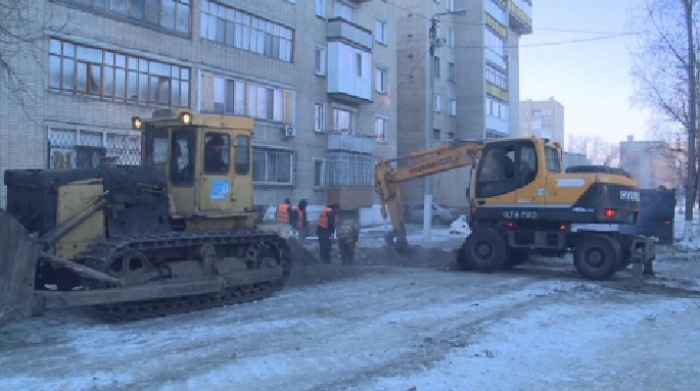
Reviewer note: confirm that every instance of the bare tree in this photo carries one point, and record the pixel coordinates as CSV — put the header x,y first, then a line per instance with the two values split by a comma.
x,y
595,148
22,27
665,70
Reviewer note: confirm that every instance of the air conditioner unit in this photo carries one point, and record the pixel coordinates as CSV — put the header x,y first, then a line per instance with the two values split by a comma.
x,y
442,41
289,131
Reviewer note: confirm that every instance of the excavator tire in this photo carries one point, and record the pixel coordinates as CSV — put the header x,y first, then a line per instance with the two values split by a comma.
x,y
597,257
18,260
485,250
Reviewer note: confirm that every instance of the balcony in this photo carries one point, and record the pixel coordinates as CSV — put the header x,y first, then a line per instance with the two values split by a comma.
x,y
520,16
350,143
350,179
342,30
349,59
496,92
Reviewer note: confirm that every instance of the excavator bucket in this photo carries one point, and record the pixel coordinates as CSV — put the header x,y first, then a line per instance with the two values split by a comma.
x,y
18,258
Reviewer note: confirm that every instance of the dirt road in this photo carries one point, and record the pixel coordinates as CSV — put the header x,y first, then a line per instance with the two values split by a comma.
x,y
381,328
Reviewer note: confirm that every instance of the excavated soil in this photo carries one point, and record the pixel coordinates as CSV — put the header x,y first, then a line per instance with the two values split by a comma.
x,y
307,270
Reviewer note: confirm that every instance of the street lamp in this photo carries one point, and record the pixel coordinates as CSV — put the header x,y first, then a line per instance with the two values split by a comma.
x,y
428,203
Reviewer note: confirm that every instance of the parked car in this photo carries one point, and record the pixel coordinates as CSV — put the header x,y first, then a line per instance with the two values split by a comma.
x,y
441,214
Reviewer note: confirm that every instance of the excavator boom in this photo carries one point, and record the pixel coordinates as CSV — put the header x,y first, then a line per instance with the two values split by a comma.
x,y
414,166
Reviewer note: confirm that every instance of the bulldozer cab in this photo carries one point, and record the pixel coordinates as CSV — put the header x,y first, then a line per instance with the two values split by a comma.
x,y
206,160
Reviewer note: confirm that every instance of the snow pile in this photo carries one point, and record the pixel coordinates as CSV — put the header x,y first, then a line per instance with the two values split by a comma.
x,y
460,226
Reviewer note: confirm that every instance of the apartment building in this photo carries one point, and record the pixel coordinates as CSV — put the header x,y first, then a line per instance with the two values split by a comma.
x,y
475,70
542,118
314,74
651,163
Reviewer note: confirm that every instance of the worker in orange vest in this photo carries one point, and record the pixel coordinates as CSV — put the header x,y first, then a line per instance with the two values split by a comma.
x,y
324,230
284,211
300,221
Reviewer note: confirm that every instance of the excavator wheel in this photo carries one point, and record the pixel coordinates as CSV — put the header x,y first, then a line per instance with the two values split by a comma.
x,y
597,257
18,261
485,250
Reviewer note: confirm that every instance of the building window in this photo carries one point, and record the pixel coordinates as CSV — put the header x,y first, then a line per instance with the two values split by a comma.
x,y
347,169
495,44
344,10
451,135
450,71
497,109
171,15
343,121
244,31
436,66
496,77
451,37
272,167
437,104
319,172
115,76
381,80
321,8
320,64
497,11
436,134
380,129
240,97
453,107
319,118
380,32
358,64
450,5
71,147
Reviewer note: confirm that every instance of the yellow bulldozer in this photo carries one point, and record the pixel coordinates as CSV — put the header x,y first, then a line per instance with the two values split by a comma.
x,y
524,202
174,234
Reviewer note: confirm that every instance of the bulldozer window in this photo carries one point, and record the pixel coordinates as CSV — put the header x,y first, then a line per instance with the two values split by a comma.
x,y
217,153
156,147
242,155
182,156
496,174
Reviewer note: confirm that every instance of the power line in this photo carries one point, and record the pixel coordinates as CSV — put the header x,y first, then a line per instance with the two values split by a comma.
x,y
553,29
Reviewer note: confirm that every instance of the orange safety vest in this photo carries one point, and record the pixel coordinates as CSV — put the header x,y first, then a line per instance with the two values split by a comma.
x,y
283,213
300,219
323,219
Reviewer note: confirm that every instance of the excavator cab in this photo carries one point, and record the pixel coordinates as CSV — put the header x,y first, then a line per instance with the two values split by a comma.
x,y
207,162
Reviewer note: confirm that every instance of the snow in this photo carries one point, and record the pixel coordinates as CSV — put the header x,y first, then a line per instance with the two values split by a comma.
x,y
391,330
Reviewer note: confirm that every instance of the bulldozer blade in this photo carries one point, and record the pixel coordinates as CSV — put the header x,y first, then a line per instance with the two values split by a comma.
x,y
18,259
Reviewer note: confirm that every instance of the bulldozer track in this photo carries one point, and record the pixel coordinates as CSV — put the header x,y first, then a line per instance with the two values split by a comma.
x,y
99,256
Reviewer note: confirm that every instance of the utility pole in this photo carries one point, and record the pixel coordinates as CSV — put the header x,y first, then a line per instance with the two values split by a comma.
x,y
433,42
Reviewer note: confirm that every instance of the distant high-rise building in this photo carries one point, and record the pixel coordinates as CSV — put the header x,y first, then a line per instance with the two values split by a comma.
x,y
475,70
542,118
651,163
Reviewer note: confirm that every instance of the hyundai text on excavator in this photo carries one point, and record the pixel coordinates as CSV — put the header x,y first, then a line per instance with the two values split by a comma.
x,y
522,202
174,234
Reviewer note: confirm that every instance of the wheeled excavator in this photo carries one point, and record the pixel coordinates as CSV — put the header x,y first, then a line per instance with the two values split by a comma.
x,y
523,202
174,234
